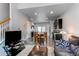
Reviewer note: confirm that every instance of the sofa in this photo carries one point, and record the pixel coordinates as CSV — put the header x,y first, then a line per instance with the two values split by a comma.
x,y
67,48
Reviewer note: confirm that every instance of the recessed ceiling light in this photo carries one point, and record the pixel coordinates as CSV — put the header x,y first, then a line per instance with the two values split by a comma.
x,y
36,13
51,12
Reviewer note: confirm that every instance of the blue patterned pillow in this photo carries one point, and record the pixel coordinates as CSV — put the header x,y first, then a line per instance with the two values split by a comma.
x,y
63,44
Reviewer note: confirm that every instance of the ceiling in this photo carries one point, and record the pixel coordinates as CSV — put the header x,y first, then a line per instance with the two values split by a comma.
x,y
42,13
31,5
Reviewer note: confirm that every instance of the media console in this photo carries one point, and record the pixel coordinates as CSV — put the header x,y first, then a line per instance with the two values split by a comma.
x,y
14,49
13,43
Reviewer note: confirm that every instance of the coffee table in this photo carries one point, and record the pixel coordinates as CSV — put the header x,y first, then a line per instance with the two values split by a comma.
x,y
42,51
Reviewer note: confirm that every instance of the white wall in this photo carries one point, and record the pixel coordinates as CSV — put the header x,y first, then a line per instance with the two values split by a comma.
x,y
71,20
19,21
4,11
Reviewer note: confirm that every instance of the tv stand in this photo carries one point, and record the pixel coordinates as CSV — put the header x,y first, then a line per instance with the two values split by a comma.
x,y
15,49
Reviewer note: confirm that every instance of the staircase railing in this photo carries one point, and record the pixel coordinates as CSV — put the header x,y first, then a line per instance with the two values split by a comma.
x,y
4,26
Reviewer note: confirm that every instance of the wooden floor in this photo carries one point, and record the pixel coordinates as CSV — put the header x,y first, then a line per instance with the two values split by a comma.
x,y
42,51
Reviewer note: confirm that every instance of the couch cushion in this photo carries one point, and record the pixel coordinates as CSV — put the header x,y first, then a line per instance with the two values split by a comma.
x,y
62,43
74,40
62,52
75,49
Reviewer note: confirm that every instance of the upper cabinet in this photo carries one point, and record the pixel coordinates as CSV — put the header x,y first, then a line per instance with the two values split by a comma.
x,y
58,24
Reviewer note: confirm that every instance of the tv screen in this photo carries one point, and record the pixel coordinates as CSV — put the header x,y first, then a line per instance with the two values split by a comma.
x,y
12,37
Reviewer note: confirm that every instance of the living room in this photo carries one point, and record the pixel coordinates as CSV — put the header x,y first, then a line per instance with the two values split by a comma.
x,y
31,22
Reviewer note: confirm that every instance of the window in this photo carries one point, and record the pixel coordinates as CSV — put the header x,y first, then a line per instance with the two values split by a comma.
x,y
41,29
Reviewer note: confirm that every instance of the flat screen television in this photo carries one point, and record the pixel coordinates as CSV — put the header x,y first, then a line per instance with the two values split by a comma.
x,y
12,37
